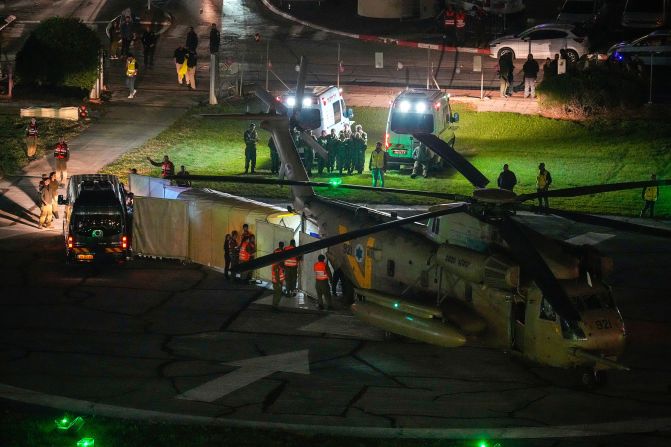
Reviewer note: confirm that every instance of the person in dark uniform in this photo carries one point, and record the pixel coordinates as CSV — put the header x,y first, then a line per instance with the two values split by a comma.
x,y
227,255
507,179
148,47
543,182
332,149
215,39
251,138
323,141
422,156
277,277
274,157
191,40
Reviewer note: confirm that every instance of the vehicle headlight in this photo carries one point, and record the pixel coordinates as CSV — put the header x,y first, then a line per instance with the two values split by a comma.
x,y
307,102
291,101
404,106
420,107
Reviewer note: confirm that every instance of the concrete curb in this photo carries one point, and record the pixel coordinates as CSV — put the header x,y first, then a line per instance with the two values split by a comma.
x,y
375,39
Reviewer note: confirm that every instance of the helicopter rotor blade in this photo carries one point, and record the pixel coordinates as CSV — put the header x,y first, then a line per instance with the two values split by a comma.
x,y
458,162
605,222
274,181
341,238
265,96
594,189
524,252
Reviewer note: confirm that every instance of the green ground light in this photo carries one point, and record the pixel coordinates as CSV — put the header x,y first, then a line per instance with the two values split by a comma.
x,y
86,442
66,423
335,182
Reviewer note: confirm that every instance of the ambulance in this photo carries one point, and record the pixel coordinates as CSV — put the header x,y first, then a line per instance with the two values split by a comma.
x,y
415,111
323,109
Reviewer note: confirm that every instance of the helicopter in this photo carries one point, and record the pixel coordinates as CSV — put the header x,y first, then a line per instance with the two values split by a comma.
x,y
473,273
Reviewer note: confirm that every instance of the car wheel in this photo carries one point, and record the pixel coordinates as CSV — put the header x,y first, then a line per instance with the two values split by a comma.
x,y
572,56
506,50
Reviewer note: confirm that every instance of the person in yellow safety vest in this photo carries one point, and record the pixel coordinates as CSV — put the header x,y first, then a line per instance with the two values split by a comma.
x,y
62,155
131,74
277,276
378,164
31,138
291,268
543,182
650,195
322,283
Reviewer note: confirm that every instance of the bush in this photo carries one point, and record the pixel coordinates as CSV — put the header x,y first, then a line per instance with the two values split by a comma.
x,y
60,53
594,91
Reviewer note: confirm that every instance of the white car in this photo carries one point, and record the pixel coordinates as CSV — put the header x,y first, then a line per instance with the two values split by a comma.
x,y
543,41
653,48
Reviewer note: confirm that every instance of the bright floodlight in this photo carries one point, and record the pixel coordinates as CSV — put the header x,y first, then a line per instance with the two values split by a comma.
x,y
404,106
306,102
420,107
291,101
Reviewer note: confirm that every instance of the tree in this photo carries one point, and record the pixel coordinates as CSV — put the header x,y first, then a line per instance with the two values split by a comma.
x,y
60,52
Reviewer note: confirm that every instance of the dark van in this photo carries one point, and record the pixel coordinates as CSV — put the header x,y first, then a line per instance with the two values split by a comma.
x,y
96,225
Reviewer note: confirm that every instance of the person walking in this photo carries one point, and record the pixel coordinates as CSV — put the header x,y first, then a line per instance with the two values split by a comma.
x,y
505,72
115,38
191,63
422,156
46,203
378,164
167,166
322,283
180,63
191,40
53,187
215,39
148,47
507,179
543,182
31,139
131,74
291,269
274,157
530,70
126,29
251,138
62,156
277,277
650,195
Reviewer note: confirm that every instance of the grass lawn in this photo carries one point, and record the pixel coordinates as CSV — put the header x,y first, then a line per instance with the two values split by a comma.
x,y
35,427
13,148
575,153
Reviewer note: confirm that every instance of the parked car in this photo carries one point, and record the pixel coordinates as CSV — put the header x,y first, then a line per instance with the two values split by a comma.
x,y
651,48
578,12
543,41
645,13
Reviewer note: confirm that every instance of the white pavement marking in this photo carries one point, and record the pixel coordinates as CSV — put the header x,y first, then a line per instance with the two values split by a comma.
x,y
589,238
347,325
631,426
250,371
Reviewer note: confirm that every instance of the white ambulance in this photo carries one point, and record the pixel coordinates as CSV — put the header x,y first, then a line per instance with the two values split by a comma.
x,y
323,109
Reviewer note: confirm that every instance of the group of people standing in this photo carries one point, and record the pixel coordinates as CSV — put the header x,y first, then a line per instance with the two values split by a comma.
x,y
506,75
239,248
49,184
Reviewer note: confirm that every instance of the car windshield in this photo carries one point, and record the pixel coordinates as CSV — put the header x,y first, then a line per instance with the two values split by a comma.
x,y
411,123
310,118
97,225
578,7
653,6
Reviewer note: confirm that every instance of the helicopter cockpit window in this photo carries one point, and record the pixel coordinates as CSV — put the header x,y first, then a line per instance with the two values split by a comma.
x,y
547,312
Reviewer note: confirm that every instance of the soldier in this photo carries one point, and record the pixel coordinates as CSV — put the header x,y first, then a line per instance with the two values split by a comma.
x,y
341,152
332,149
308,154
46,200
277,276
358,151
422,156
322,278
62,156
274,157
31,139
291,269
363,134
233,250
650,195
348,151
251,138
323,141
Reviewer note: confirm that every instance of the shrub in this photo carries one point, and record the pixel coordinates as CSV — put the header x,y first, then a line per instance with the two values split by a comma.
x,y
59,53
594,91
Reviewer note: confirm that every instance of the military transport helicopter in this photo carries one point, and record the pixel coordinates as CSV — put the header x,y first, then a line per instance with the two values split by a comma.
x,y
474,272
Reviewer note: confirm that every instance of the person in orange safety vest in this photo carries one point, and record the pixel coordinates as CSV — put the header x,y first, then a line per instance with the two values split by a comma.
x,y
62,155
460,26
277,276
322,283
291,269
